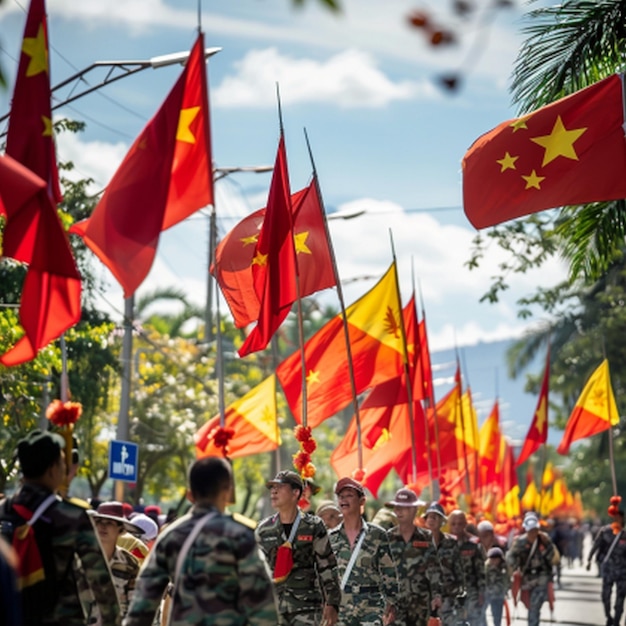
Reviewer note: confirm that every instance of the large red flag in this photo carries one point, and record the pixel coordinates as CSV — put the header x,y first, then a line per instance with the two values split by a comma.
x,y
595,409
235,256
50,302
274,264
18,185
569,152
164,178
538,430
377,351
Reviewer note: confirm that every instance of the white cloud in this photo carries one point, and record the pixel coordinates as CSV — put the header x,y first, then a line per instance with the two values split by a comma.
x,y
349,79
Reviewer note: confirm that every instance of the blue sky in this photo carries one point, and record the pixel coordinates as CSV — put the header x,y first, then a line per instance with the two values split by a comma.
x,y
385,137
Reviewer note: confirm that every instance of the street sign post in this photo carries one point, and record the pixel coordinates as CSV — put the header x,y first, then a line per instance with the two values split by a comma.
x,y
123,457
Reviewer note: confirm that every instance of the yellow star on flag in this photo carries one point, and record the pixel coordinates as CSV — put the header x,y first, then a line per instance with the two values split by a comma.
x,y
507,162
533,180
246,241
187,116
259,259
519,124
560,142
299,240
541,413
313,377
36,49
47,126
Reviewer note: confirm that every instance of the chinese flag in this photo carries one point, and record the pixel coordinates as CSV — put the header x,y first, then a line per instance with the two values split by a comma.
x,y
235,254
164,178
50,301
569,152
538,431
18,185
595,410
274,263
377,352
252,418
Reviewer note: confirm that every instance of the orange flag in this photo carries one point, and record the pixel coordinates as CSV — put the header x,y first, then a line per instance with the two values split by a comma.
x,y
377,352
595,409
50,301
253,420
164,178
538,430
274,264
490,439
235,255
552,157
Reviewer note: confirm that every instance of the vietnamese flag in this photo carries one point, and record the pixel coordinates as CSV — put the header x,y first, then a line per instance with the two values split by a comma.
x,y
235,254
252,418
508,501
377,354
569,152
595,409
538,430
274,264
165,177
490,440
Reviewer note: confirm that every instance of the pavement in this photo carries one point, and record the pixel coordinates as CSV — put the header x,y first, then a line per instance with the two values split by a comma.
x,y
577,601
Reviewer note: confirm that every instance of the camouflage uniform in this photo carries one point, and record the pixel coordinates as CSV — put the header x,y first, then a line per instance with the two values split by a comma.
x,y
69,549
313,580
451,578
613,571
373,581
223,581
417,567
497,585
536,571
473,560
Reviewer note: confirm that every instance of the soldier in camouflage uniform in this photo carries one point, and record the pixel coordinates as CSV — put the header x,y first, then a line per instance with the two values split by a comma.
x,y
64,536
222,580
307,591
610,546
416,562
473,560
531,555
497,584
451,577
368,575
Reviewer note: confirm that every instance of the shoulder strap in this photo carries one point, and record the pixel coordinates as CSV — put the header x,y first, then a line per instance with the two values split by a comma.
x,y
530,554
610,550
353,557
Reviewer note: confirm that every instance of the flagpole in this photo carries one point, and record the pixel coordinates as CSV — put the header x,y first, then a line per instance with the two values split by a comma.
x,y
460,401
274,348
405,366
608,396
477,480
342,304
544,463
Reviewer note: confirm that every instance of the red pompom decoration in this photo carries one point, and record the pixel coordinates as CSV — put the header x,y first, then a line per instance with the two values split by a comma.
x,y
300,460
64,413
358,475
615,500
613,510
308,471
302,433
309,446
221,438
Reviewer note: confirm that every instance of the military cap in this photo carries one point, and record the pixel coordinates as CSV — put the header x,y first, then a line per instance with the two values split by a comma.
x,y
286,477
531,521
347,482
313,486
495,552
484,526
405,497
327,505
115,511
38,451
435,507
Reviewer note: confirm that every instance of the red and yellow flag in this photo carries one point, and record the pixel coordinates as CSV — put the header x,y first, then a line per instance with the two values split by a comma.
x,y
538,430
595,409
377,351
508,503
50,300
165,177
253,420
552,157
490,440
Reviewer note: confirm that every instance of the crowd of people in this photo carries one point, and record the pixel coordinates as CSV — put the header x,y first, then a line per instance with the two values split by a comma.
x,y
64,563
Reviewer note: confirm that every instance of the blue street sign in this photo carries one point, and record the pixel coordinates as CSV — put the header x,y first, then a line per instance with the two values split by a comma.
x,y
123,461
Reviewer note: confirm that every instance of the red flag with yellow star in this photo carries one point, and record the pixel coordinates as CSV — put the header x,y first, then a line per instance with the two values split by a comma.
x,y
569,152
538,431
50,299
236,256
165,177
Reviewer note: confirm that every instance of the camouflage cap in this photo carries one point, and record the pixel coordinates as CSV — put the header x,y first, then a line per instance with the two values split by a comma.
x,y
286,477
38,451
347,482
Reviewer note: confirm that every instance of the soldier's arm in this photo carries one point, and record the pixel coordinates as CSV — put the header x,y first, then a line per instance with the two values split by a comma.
x,y
326,566
387,570
457,568
96,571
479,570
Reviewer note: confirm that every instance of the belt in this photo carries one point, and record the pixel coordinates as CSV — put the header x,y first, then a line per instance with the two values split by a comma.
x,y
364,589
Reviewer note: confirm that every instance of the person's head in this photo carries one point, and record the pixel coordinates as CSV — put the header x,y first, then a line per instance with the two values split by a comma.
x,y
329,513
41,458
457,523
210,481
531,525
110,524
495,556
149,527
404,505
434,517
485,532
285,490
350,496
